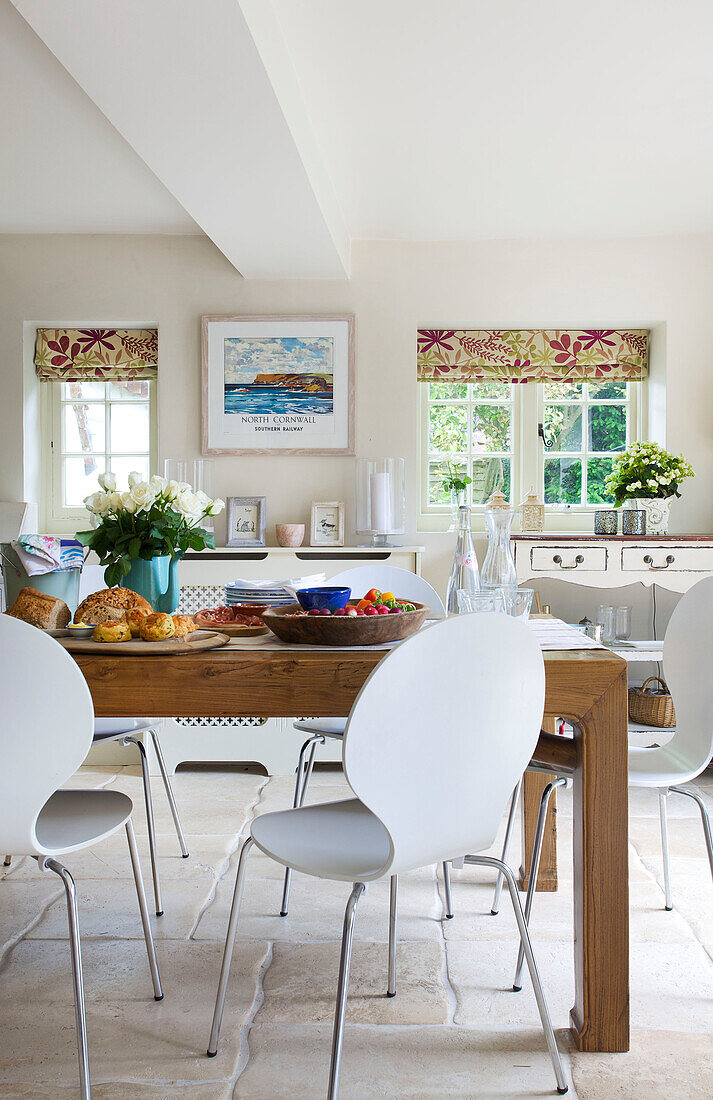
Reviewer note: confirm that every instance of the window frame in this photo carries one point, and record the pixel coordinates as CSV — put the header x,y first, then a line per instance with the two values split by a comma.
x,y
55,516
528,457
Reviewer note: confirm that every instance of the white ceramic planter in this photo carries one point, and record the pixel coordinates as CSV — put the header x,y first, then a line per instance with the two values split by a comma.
x,y
657,513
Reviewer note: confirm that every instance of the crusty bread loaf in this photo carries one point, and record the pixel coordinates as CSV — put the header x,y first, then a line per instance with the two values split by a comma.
x,y
39,609
103,613
123,598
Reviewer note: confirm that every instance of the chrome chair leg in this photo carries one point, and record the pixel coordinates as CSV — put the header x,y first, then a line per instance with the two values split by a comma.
x,y
534,868
342,988
447,889
79,1007
149,820
663,814
393,893
304,774
7,861
705,820
143,909
169,793
495,908
228,951
491,861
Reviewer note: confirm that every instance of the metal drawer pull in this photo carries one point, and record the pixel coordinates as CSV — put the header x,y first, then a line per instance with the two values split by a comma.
x,y
648,560
557,559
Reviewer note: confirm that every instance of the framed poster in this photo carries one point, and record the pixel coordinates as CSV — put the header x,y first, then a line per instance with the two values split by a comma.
x,y
246,521
278,385
327,526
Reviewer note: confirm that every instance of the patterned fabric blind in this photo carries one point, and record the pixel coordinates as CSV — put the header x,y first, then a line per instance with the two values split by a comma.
x,y
532,355
96,354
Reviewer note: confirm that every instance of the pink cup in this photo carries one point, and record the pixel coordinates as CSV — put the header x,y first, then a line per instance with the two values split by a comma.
x,y
290,534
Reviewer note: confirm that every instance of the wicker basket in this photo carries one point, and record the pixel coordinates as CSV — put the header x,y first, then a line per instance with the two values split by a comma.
x,y
653,707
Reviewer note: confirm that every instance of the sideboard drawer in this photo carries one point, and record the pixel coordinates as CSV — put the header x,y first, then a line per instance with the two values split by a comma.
x,y
578,557
688,559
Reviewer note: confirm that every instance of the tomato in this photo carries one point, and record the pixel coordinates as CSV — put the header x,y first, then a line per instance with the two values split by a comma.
x,y
373,595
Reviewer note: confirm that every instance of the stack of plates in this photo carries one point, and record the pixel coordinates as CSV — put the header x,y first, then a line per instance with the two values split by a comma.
x,y
269,597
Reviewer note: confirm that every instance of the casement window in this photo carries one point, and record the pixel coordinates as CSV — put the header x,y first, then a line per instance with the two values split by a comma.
x,y
501,409
98,413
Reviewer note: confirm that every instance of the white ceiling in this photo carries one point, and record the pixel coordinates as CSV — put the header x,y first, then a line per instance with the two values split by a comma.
x,y
462,119
63,166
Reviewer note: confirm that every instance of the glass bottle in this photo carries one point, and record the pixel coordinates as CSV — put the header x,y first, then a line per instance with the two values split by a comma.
x,y
464,575
499,565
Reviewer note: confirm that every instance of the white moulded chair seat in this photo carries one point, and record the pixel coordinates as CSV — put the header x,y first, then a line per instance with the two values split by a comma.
x,y
45,736
687,671
133,731
444,802
361,579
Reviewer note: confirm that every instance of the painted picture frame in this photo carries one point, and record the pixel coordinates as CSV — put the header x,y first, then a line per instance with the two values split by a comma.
x,y
278,385
246,518
327,523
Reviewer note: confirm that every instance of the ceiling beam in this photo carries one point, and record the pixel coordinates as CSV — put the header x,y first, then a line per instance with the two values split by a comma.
x,y
185,85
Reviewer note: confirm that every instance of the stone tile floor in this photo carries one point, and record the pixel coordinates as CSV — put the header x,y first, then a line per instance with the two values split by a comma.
x,y
454,1029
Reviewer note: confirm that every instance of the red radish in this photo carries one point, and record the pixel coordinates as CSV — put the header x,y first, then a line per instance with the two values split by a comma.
x,y
382,609
314,611
362,612
395,610
352,611
339,611
370,610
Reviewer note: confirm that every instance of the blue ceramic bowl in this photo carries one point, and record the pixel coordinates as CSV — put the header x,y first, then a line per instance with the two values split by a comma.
x,y
323,599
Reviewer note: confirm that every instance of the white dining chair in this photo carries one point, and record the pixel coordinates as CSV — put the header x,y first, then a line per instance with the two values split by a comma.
x,y
361,579
46,731
447,800
687,671
133,731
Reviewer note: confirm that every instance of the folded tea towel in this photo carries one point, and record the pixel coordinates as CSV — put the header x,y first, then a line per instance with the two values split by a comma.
x,y
41,554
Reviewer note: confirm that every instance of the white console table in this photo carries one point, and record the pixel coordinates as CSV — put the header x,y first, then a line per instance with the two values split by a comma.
x,y
676,562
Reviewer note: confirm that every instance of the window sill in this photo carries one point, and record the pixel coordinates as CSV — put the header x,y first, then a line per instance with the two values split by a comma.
x,y
572,521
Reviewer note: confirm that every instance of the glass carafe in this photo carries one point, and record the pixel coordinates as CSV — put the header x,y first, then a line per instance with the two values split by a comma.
x,y
499,566
464,576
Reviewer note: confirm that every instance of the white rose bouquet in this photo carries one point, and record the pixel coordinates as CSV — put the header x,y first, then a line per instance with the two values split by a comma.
x,y
646,471
150,519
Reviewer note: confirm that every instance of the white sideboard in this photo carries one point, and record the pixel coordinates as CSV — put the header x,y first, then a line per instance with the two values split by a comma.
x,y
675,562
271,742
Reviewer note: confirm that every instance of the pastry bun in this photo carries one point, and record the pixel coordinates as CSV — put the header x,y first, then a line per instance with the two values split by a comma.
x,y
184,625
112,632
123,598
157,627
134,619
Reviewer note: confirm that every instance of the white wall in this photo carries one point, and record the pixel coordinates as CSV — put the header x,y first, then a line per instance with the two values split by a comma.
x,y
395,288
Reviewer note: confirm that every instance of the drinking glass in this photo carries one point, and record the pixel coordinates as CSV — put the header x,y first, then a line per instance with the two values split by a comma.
x,y
622,623
518,601
492,600
605,617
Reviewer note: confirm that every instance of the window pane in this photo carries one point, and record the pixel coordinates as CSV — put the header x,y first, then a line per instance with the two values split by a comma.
x,y
597,470
607,427
128,391
563,481
488,475
442,391
491,391
87,391
437,471
129,428
83,427
563,426
491,428
607,391
124,465
447,428
79,478
563,391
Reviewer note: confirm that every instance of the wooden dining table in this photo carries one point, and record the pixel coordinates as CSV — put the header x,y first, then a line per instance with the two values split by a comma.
x,y
588,688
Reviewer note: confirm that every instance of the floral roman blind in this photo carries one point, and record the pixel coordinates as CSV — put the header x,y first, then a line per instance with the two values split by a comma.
x,y
96,354
532,355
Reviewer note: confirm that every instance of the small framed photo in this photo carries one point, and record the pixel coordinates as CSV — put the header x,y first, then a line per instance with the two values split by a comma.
x,y
246,521
327,527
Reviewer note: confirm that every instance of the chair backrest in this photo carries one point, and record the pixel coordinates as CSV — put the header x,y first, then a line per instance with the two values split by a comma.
x,y
441,732
46,728
390,578
689,675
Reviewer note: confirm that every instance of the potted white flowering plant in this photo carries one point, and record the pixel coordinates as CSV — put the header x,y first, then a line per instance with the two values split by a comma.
x,y
647,477
140,534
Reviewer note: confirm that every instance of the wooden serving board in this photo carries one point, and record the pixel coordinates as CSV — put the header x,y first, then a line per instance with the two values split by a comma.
x,y
197,642
235,630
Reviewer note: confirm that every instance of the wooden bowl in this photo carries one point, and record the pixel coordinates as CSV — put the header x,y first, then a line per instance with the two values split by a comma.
x,y
290,624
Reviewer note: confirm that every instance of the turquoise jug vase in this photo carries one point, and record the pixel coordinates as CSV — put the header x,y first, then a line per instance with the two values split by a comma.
x,y
157,581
